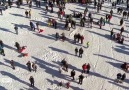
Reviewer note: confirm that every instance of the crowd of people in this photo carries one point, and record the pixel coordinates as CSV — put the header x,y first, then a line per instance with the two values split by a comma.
x,y
70,22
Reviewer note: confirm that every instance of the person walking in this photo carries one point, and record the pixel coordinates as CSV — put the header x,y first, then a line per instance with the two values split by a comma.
x,y
12,64
73,74
29,65
31,79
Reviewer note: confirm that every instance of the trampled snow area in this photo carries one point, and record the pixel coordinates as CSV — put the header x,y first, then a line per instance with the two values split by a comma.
x,y
104,55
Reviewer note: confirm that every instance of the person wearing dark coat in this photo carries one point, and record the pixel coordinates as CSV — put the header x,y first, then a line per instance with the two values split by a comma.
x,y
55,24
80,52
124,66
81,77
78,37
1,44
122,30
29,65
88,68
122,40
118,77
57,36
75,37
12,64
2,52
123,77
112,33
17,46
121,21
66,67
73,74
76,51
31,81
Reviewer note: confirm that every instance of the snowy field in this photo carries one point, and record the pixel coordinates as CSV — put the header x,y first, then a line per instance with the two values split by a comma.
x,y
104,55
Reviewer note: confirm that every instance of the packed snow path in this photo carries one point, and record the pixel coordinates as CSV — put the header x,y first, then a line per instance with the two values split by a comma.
x,y
104,55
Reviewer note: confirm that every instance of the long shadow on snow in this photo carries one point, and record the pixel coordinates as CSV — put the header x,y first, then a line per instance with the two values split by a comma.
x,y
69,66
120,85
105,36
121,51
117,65
47,37
17,15
5,65
16,64
108,57
22,26
13,77
49,68
100,76
57,83
6,30
61,51
9,47
2,88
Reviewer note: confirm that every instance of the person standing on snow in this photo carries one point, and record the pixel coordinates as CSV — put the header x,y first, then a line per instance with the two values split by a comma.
x,y
84,67
34,66
81,77
29,13
76,51
31,79
88,68
82,38
80,52
32,25
123,77
17,46
122,30
12,64
73,74
37,25
121,21
16,29
57,36
26,13
1,44
75,37
1,11
112,33
118,77
29,65
2,52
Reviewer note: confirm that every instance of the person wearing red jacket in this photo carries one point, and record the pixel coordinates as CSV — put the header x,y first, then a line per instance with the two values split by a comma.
x,y
84,67
109,18
82,38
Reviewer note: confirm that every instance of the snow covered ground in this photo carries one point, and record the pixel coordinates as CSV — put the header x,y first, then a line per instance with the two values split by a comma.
x,y
104,55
